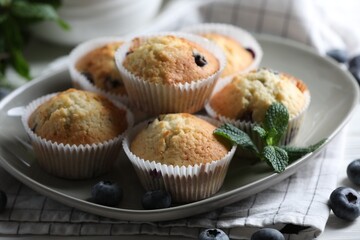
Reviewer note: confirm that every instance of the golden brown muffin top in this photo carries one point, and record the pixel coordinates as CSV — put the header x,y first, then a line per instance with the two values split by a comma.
x,y
237,57
179,139
169,60
248,96
78,117
99,67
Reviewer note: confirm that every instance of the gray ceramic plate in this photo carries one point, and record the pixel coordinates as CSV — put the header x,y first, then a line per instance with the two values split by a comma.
x,y
334,97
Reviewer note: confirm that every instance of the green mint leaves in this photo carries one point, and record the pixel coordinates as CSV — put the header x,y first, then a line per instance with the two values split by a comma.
x,y
15,18
270,132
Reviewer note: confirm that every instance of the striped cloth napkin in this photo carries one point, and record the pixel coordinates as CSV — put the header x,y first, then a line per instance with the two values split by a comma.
x,y
297,206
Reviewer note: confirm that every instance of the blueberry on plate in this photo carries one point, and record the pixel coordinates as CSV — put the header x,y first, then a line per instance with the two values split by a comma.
x,y
267,234
213,234
354,67
345,203
156,199
338,55
106,193
353,171
3,201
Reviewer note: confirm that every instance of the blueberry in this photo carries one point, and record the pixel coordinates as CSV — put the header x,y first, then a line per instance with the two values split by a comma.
x,y
156,199
354,67
345,203
251,52
199,60
213,234
339,55
106,193
267,234
353,171
3,201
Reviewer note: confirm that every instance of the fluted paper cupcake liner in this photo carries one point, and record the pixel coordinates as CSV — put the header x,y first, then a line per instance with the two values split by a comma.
x,y
184,183
243,37
78,79
157,98
74,161
294,124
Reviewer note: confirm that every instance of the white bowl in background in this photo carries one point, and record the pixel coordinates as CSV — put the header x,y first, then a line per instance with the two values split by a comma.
x,y
92,19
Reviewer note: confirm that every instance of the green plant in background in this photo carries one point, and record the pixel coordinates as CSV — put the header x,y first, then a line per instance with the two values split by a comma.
x,y
15,18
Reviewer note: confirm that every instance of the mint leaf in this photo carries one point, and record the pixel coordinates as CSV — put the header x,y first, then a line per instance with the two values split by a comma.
x,y
34,10
19,63
276,157
237,136
260,131
275,123
295,153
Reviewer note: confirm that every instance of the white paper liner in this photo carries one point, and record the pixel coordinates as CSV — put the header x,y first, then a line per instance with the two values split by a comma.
x,y
246,126
161,98
79,81
74,161
184,183
243,37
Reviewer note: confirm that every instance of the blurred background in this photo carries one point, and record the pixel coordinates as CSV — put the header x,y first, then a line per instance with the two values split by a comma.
x,y
37,35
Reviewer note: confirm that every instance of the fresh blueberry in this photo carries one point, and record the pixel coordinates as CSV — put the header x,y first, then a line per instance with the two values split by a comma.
x,y
213,234
268,234
345,203
199,60
106,193
353,171
3,201
251,52
156,199
339,55
354,67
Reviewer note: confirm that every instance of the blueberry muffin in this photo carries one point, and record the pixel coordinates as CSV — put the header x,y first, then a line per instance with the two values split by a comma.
x,y
243,52
78,117
169,60
170,72
98,66
180,140
237,57
76,134
179,153
245,99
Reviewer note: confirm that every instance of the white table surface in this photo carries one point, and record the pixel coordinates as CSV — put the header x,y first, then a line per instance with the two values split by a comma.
x,y
41,54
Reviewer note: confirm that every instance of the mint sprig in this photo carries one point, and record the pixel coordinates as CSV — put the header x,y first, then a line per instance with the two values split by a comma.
x,y
15,19
270,133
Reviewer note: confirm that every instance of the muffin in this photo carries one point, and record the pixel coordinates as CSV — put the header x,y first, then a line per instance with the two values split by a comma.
x,y
180,153
92,68
242,51
237,57
245,98
76,134
169,72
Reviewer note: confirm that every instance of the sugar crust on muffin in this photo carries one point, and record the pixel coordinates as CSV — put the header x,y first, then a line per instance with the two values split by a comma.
x,y
248,96
78,117
179,139
170,60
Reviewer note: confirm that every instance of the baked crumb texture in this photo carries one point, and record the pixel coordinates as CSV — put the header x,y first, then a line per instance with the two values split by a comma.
x,y
237,57
169,60
99,68
248,96
180,140
78,117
